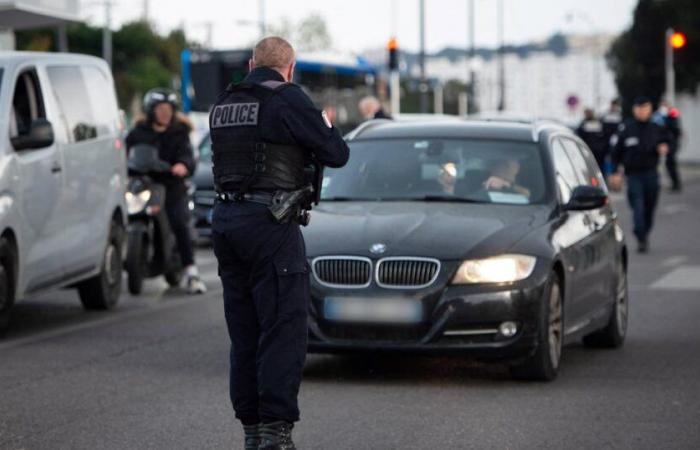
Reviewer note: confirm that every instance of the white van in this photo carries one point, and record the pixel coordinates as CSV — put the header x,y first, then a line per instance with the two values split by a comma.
x,y
62,179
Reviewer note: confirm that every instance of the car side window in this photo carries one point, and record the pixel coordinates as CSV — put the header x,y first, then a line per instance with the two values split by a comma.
x,y
27,104
567,179
597,179
73,99
579,162
102,100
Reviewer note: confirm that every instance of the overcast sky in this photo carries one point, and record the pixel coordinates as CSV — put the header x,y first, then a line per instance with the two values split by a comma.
x,y
356,25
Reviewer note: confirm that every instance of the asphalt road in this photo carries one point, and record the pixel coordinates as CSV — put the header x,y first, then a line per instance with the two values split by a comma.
x,y
153,374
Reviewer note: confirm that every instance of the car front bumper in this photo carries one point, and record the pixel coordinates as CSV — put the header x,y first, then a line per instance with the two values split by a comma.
x,y
461,320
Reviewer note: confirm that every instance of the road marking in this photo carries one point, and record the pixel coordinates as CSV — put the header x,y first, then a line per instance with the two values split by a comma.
x,y
683,278
115,317
674,261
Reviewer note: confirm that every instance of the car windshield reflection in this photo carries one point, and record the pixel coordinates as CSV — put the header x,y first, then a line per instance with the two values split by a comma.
x,y
439,170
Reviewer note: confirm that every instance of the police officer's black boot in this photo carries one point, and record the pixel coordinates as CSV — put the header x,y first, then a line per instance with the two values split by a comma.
x,y
276,436
252,437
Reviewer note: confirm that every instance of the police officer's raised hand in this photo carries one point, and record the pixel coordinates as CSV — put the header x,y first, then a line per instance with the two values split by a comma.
x,y
662,149
179,170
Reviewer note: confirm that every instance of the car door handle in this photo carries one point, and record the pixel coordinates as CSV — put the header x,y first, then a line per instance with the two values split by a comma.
x,y
56,168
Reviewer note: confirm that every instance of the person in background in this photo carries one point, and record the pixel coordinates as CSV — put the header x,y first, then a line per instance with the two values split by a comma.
x,y
591,132
168,130
638,144
669,117
503,175
611,121
371,108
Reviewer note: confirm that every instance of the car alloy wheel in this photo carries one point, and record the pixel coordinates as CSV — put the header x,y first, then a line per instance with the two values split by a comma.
x,y
555,326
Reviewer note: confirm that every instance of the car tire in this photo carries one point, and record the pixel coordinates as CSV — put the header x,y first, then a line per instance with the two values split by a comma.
x,y
174,277
102,291
613,334
543,365
136,262
8,262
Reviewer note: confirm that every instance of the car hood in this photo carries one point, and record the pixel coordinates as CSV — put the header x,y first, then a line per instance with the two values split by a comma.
x,y
440,230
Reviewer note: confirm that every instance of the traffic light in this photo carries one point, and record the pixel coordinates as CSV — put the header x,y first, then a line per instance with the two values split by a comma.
x,y
393,47
678,40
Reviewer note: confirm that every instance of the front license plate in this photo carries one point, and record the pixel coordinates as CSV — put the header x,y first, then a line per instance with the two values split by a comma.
x,y
373,310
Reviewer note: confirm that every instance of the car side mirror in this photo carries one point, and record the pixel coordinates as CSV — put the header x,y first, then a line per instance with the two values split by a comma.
x,y
40,135
585,198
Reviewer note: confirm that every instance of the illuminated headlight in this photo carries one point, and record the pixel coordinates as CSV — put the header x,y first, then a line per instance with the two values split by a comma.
x,y
135,203
499,269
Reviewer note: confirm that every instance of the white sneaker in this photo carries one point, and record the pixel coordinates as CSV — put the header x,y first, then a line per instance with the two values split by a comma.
x,y
195,285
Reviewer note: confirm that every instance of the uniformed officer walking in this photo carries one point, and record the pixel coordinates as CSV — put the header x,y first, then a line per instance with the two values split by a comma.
x,y
638,144
591,132
263,131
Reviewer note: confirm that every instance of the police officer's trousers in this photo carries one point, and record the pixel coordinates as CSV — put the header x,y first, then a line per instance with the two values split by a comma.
x,y
643,195
263,268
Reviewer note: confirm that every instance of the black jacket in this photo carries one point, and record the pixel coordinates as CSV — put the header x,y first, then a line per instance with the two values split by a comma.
x,y
173,146
636,146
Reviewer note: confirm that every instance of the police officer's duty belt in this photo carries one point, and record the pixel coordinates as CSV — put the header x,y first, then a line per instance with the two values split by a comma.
x,y
264,198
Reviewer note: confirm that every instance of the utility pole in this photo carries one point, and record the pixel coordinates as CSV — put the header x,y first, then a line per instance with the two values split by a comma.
x,y
423,86
670,70
107,34
501,61
471,75
261,18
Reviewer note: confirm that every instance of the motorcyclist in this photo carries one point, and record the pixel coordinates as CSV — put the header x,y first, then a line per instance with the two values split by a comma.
x,y
163,127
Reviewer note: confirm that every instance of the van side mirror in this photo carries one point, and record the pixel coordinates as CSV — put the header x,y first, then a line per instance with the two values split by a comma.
x,y
586,198
40,135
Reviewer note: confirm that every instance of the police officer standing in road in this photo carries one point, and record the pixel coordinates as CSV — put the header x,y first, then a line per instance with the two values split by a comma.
x,y
591,132
264,130
637,146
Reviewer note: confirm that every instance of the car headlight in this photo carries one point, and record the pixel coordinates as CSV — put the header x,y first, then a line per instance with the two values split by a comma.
x,y
135,203
498,269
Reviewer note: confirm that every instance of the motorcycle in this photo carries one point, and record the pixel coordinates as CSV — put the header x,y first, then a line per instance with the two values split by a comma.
x,y
151,245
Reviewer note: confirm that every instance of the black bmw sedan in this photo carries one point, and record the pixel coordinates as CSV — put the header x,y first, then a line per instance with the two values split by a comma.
x,y
494,240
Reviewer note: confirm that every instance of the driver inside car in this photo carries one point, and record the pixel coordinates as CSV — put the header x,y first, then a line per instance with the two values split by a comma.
x,y
503,176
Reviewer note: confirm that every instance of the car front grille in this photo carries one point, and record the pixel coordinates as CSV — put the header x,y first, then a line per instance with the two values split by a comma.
x,y
407,272
343,271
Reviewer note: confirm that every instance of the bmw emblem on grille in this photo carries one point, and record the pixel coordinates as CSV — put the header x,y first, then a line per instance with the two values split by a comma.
x,y
378,248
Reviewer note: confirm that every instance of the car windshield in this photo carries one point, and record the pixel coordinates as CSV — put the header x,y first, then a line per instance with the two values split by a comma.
x,y
450,170
205,149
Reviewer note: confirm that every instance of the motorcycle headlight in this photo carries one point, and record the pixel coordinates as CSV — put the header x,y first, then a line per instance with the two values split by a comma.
x,y
498,269
135,203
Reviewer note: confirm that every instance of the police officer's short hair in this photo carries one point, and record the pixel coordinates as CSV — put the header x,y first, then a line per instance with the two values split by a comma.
x,y
273,52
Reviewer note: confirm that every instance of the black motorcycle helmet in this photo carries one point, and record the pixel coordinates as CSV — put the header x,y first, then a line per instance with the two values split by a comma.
x,y
155,97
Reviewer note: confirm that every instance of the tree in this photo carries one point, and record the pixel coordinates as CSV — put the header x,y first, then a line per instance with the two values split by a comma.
x,y
310,34
637,55
142,59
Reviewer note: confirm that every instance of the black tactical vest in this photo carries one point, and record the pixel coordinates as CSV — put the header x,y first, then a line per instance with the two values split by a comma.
x,y
243,162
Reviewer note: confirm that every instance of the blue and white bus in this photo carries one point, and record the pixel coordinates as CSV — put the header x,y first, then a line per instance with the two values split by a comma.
x,y
335,83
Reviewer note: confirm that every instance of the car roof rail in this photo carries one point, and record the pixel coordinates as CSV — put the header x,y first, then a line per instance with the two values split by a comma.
x,y
364,126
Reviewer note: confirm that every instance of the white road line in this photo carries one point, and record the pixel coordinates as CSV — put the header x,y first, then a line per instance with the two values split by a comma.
x,y
114,317
673,261
683,278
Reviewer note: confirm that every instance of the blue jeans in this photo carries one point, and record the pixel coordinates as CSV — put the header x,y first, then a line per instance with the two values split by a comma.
x,y
643,195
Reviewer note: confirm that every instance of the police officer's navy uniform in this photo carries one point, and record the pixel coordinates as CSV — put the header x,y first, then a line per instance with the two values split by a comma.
x,y
262,131
592,133
635,148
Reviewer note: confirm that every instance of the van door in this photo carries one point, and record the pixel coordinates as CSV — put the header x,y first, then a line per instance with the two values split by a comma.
x,y
84,193
39,186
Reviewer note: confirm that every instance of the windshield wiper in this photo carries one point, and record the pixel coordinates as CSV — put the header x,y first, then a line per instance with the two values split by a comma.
x,y
443,198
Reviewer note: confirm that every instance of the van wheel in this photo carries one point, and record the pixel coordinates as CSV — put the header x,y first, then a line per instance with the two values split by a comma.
x,y
613,334
136,261
7,283
544,364
102,291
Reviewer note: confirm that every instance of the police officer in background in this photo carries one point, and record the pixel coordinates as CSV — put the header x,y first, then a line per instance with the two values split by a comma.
x,y
591,132
371,108
263,131
669,117
638,144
